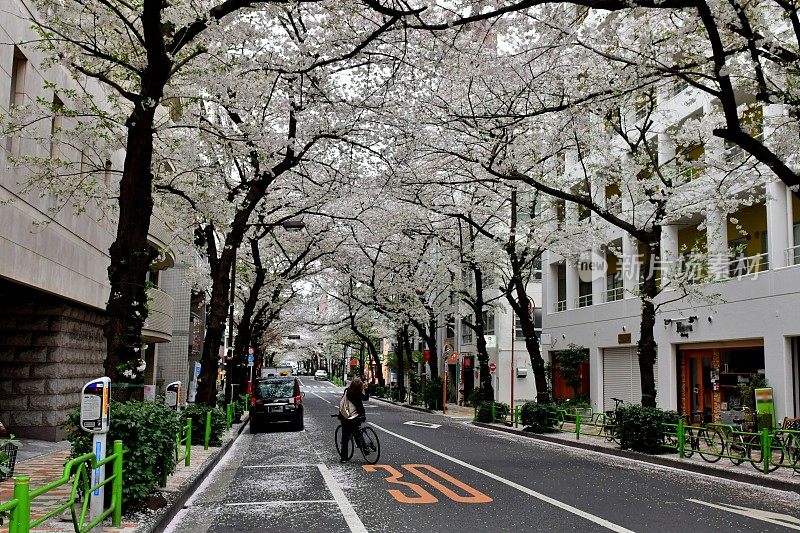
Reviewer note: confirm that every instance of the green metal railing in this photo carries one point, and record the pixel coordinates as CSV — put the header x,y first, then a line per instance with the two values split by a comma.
x,y
207,437
19,507
183,439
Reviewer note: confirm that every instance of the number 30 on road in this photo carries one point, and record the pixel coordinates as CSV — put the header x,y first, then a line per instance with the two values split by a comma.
x,y
420,495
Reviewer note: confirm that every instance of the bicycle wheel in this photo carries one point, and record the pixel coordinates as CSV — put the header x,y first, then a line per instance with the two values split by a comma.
x,y
370,445
338,440
737,450
710,445
755,454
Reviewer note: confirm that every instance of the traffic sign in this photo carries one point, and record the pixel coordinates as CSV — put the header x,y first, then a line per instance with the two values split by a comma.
x,y
492,367
250,360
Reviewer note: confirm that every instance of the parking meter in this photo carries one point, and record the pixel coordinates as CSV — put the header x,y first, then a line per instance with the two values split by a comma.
x,y
173,395
95,419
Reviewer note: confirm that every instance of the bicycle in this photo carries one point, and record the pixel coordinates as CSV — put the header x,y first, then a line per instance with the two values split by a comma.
x,y
610,422
787,438
365,438
739,444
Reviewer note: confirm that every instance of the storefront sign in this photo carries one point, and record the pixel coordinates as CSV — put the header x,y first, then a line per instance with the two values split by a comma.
x,y
624,338
765,404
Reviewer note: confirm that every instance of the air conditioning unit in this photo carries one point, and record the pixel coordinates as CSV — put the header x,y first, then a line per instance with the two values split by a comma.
x,y
522,372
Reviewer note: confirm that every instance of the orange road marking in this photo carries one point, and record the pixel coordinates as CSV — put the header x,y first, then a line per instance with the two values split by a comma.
x,y
475,496
423,496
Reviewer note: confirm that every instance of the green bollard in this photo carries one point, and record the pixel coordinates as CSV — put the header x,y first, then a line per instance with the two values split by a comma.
x,y
493,414
116,486
21,515
188,460
208,431
228,415
766,451
681,439
577,426
516,416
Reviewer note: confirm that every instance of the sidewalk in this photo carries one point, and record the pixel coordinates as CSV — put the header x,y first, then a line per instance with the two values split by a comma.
x,y
47,464
782,479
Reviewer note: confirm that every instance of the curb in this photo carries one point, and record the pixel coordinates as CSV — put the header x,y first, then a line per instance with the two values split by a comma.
x,y
398,404
175,506
742,477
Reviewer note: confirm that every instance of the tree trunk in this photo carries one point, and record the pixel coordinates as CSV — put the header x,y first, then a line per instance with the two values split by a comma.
x,y
130,261
480,338
215,329
402,332
647,348
429,336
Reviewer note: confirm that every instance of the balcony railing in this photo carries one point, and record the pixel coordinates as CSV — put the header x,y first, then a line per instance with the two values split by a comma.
x,y
793,256
559,306
612,295
748,265
158,326
583,301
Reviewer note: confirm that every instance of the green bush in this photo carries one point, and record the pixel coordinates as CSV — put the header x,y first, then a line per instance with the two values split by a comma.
x,y
147,431
641,428
476,396
485,412
198,415
433,393
539,417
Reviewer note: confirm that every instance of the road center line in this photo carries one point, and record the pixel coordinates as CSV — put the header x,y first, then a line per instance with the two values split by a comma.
x,y
320,397
350,516
547,499
751,513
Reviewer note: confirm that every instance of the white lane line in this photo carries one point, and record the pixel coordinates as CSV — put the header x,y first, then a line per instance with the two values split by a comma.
x,y
320,397
278,502
786,521
288,465
350,516
547,499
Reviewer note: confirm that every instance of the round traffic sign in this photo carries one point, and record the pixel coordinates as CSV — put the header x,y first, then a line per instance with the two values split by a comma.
x,y
492,367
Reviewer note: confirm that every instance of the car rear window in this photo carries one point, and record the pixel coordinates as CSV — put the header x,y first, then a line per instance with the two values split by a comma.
x,y
275,389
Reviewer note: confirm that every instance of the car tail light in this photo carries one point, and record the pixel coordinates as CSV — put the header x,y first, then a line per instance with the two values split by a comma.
x,y
298,399
252,401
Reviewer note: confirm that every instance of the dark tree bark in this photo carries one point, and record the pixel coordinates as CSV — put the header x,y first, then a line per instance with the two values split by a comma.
x,y
402,334
428,334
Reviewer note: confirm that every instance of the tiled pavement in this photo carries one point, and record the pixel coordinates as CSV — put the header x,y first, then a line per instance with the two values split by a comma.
x,y
49,466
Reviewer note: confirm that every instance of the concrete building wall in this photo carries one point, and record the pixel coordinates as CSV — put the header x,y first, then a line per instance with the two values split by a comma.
x,y
49,348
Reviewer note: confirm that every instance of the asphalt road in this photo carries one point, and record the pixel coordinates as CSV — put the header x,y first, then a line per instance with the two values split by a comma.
x,y
456,477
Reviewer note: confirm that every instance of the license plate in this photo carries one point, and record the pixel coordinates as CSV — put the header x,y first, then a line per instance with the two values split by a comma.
x,y
276,408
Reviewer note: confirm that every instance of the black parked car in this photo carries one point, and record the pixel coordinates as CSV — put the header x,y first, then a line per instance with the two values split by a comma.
x,y
276,400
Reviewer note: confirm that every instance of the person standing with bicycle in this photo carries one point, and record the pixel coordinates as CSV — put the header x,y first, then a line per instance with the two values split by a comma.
x,y
351,413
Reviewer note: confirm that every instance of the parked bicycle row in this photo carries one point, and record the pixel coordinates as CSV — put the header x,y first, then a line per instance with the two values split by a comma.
x,y
654,431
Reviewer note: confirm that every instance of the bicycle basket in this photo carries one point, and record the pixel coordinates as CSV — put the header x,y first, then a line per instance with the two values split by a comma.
x,y
11,452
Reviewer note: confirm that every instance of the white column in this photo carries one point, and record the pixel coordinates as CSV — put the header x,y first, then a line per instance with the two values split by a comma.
x,y
630,266
669,251
779,236
596,378
572,284
599,269
779,202
549,283
717,241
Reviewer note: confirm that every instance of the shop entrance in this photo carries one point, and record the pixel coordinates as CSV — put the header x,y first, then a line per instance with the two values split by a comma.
x,y
697,387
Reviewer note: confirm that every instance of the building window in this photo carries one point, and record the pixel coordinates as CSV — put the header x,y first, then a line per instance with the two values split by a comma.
x,y
450,327
55,126
107,174
16,98
537,268
488,322
537,324
466,331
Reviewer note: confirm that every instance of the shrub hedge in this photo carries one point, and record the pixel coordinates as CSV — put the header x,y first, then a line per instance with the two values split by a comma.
x,y
198,415
539,417
147,431
485,411
641,428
